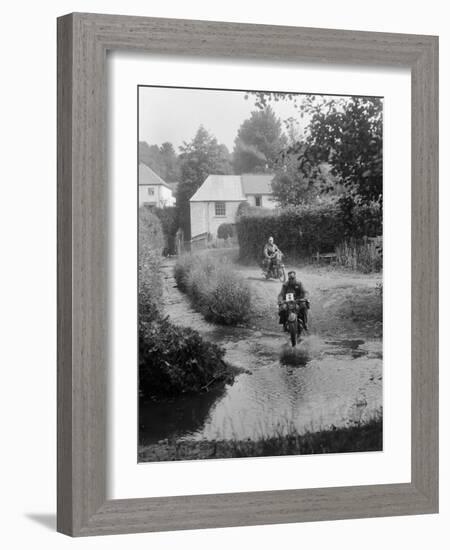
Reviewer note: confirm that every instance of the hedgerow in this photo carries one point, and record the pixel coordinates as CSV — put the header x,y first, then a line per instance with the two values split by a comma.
x,y
305,230
172,360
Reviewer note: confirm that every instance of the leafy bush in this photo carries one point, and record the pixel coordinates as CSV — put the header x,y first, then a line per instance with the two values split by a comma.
x,y
242,209
304,230
225,231
215,289
175,360
172,359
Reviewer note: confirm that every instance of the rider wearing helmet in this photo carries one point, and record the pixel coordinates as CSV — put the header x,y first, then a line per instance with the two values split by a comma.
x,y
292,286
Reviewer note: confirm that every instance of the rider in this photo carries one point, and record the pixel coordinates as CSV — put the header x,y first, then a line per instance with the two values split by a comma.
x,y
296,288
271,251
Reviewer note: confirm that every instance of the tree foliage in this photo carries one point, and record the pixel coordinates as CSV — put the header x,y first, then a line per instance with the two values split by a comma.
x,y
225,231
343,132
258,143
296,182
163,160
348,133
199,158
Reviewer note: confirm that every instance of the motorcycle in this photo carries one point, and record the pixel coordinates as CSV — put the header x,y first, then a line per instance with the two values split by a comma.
x,y
294,324
275,269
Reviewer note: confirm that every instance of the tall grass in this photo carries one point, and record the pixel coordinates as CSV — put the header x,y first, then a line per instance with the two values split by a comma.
x,y
366,256
216,290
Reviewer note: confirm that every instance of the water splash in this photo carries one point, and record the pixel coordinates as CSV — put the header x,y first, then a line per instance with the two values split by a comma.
x,y
298,356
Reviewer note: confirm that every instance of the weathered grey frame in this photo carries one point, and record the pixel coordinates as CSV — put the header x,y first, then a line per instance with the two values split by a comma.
x,y
83,40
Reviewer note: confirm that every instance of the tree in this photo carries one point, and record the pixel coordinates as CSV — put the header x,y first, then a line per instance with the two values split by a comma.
x,y
199,158
296,183
258,143
348,133
344,132
151,156
163,160
170,160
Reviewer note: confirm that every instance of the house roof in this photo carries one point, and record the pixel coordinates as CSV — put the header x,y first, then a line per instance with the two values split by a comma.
x,y
257,184
233,188
219,188
148,177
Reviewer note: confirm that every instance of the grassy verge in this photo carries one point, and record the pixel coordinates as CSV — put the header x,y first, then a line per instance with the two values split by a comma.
x,y
172,360
215,288
358,437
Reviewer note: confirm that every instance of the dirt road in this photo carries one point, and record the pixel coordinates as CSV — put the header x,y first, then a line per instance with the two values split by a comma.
x,y
344,304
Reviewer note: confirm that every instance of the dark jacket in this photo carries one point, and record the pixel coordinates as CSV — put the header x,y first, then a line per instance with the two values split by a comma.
x,y
297,289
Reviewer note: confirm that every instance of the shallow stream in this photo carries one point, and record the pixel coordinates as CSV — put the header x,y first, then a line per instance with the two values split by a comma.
x,y
333,382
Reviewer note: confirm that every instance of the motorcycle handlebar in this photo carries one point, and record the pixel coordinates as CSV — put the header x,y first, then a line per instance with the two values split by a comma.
x,y
298,300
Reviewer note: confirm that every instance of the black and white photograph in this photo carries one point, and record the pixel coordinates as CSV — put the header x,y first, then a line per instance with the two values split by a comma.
x,y
221,285
260,277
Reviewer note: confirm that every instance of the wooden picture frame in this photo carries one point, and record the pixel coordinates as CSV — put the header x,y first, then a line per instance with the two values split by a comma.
x,y
83,40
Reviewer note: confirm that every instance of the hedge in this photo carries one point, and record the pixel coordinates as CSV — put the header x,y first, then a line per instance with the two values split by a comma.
x,y
151,243
173,360
305,230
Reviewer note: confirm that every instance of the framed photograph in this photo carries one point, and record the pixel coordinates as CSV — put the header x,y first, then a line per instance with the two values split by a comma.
x,y
247,274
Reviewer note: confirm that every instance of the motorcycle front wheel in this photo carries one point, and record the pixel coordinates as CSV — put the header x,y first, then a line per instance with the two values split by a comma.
x,y
293,332
282,274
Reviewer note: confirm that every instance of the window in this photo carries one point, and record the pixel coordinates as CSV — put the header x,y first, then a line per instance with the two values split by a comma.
x,y
220,208
150,191
258,200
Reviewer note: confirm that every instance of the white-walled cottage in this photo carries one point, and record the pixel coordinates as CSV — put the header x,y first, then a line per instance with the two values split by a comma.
x,y
216,201
153,190
257,189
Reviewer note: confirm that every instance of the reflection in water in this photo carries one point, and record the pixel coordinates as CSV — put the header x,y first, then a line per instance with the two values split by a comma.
x,y
175,417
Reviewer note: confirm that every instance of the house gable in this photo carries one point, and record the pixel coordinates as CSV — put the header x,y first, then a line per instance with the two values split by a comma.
x,y
219,188
153,190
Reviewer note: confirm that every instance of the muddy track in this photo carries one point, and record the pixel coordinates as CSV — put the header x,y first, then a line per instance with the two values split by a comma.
x,y
337,380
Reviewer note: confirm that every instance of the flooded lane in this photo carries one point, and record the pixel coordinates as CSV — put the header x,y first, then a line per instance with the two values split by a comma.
x,y
339,381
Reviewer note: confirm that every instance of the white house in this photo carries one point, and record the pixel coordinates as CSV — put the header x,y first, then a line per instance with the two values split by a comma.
x,y
257,189
216,201
153,190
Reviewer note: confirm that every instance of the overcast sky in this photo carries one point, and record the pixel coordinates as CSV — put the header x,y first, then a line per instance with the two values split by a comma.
x,y
175,114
